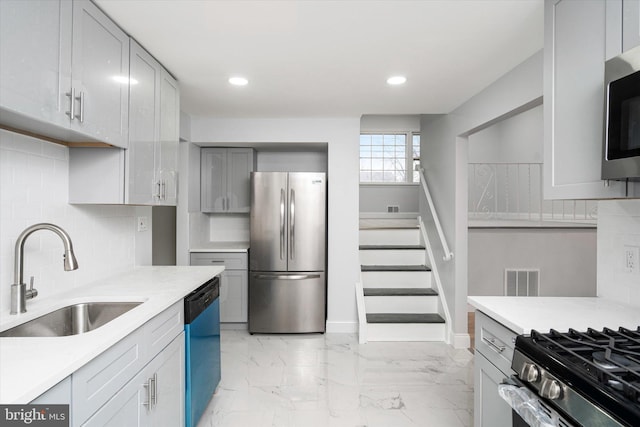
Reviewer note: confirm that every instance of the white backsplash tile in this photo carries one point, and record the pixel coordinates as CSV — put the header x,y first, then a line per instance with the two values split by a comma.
x,y
229,228
618,225
34,188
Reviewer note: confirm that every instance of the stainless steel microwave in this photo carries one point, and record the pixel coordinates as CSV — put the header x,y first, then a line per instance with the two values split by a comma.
x,y
621,153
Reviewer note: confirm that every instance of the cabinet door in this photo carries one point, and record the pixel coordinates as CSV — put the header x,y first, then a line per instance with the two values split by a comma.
x,y
169,375
213,179
100,73
233,296
574,55
239,168
144,115
630,24
126,408
35,53
167,161
489,408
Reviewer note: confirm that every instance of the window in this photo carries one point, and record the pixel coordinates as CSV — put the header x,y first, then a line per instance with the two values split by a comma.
x,y
389,157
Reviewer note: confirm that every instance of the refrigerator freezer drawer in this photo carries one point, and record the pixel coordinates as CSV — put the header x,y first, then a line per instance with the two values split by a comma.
x,y
286,302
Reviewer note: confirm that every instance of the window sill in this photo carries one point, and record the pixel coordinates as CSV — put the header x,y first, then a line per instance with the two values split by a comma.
x,y
389,184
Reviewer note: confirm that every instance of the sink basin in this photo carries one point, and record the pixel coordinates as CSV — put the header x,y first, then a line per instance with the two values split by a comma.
x,y
71,320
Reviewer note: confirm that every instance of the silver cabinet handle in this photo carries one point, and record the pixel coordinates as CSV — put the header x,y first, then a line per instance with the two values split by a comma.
x,y
164,190
491,342
81,99
292,226
154,390
157,194
72,101
149,386
282,231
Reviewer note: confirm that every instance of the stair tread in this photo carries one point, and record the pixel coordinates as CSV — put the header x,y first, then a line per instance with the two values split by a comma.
x,y
394,268
392,246
404,318
375,292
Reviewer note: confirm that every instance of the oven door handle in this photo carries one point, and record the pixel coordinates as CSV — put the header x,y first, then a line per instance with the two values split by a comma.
x,y
525,403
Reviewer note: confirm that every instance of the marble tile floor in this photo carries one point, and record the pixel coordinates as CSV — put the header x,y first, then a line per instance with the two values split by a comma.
x,y
333,381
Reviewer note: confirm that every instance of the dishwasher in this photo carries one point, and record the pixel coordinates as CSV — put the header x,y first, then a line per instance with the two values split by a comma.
x,y
202,348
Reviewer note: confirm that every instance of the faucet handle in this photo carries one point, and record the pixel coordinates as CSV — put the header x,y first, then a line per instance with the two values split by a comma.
x,y
31,293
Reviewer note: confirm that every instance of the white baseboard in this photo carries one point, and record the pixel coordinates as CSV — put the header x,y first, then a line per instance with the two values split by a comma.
x,y
459,341
233,326
342,327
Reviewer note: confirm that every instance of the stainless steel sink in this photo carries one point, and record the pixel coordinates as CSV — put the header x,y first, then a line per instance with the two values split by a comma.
x,y
71,320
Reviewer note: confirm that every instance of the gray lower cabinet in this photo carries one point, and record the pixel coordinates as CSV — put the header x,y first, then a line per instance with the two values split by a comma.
x,y
492,364
59,394
153,397
137,382
234,283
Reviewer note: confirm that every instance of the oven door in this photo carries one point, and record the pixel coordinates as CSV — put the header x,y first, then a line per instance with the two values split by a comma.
x,y
529,409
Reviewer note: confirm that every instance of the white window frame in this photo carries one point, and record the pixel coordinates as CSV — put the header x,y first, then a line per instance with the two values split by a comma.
x,y
408,158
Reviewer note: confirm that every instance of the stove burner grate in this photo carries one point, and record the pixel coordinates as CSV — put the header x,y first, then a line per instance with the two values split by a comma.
x,y
610,358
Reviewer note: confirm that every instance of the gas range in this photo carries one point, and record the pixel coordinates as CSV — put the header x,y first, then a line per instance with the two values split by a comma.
x,y
591,378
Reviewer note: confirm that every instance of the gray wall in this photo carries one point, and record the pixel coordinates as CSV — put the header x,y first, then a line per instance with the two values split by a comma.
x,y
444,141
374,198
292,161
566,259
517,139
163,237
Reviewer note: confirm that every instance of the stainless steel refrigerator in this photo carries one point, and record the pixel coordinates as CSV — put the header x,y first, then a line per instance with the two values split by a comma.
x,y
287,286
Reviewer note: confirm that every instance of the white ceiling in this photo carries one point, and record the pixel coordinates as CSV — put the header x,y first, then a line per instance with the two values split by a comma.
x,y
331,58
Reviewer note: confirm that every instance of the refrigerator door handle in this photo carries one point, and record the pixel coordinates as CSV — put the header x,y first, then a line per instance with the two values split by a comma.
x,y
292,226
286,276
282,230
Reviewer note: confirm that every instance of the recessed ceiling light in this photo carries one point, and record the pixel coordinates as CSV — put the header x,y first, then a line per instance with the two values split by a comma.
x,y
396,80
238,81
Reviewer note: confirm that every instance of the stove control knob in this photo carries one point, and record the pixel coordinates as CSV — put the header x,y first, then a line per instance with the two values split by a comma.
x,y
530,373
550,389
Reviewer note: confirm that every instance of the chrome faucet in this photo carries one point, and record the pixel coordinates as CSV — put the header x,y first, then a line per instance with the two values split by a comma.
x,y
19,292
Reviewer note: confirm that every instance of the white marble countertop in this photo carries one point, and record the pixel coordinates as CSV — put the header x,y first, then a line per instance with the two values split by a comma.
x,y
30,366
221,247
521,314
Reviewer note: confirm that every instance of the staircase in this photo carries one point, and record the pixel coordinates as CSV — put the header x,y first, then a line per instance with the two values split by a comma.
x,y
400,303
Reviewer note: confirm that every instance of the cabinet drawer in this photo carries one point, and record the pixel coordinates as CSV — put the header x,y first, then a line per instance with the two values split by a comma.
x,y
163,328
495,342
95,383
230,260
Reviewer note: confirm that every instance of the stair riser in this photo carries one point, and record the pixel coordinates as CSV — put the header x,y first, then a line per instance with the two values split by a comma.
x,y
390,237
396,279
406,331
392,257
401,304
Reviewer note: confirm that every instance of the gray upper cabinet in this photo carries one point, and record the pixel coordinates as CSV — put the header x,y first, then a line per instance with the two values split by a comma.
x,y
575,49
152,157
225,174
35,53
630,24
147,172
100,76
65,69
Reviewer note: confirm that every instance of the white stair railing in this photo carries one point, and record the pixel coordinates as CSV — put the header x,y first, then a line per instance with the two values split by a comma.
x,y
448,255
513,191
